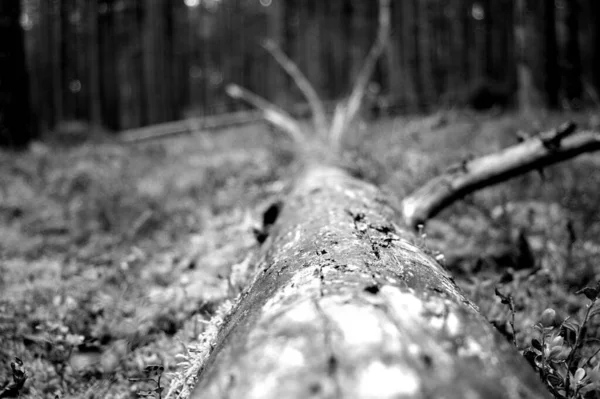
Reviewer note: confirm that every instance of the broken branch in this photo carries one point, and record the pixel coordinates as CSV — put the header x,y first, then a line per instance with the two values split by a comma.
x,y
309,92
272,113
532,154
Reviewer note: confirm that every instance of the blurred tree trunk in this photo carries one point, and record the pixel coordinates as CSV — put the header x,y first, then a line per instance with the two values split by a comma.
x,y
595,45
312,40
44,67
78,89
16,125
394,70
490,64
276,32
412,8
109,90
337,75
455,56
572,61
156,100
68,58
537,50
550,56
129,64
528,95
440,47
467,49
498,38
361,35
426,51
403,29
92,50
57,65
508,44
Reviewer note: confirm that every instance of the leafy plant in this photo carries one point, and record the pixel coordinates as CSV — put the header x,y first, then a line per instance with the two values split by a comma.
x,y
562,354
19,376
153,374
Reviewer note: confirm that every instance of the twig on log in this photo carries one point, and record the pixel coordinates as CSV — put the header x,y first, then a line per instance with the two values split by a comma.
x,y
552,139
309,92
533,154
344,115
272,113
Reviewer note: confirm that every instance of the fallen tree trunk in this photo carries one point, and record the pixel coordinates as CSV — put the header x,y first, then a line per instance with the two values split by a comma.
x,y
346,305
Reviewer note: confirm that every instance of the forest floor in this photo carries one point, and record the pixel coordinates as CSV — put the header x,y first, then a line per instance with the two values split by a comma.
x,y
112,257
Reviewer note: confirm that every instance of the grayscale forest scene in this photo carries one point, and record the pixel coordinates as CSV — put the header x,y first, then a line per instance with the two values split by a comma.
x,y
273,199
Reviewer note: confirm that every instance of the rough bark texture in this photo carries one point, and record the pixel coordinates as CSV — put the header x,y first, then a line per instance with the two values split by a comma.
x,y
345,304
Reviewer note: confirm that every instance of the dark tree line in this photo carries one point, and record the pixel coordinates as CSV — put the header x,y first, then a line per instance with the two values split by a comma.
x,y
15,112
128,63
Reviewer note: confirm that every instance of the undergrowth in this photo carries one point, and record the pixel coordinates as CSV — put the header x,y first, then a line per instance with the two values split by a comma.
x,y
113,259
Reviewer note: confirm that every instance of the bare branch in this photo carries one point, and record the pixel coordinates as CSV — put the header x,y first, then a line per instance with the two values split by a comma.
x,y
309,92
272,113
348,113
533,154
188,126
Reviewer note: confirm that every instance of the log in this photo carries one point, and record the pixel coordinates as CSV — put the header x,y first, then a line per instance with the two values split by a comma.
x,y
345,304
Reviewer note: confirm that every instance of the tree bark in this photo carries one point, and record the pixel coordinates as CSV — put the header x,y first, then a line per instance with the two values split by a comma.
x,y
346,304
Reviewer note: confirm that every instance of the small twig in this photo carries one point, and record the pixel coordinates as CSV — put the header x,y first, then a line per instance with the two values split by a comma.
x,y
587,362
509,301
345,115
552,139
157,371
272,113
140,222
19,376
309,92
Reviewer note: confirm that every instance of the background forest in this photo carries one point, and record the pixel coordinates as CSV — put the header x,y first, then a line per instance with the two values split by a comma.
x,y
124,63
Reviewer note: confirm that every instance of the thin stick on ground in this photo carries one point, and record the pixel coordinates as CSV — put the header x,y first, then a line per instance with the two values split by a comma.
x,y
309,92
533,154
272,113
344,115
